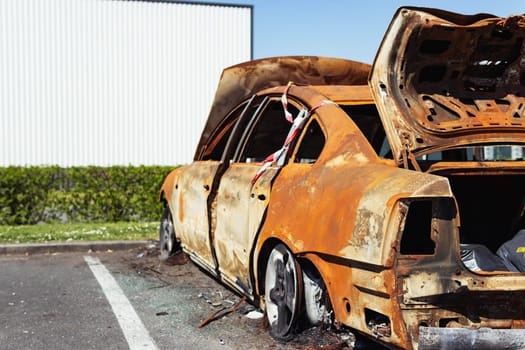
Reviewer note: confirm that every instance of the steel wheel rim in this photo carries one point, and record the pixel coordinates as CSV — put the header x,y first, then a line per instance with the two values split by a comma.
x,y
283,290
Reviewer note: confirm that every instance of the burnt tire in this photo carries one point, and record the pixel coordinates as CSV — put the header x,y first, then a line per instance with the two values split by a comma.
x,y
167,238
317,306
283,288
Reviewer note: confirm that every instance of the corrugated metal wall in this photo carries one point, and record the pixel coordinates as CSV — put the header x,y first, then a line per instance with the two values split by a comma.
x,y
105,82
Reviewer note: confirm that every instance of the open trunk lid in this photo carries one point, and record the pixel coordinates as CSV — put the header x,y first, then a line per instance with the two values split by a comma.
x,y
442,80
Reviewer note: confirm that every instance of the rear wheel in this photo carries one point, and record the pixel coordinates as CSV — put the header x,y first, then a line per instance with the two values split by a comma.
x,y
316,301
283,288
167,238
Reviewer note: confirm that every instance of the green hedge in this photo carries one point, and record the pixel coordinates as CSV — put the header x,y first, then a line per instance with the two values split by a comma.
x,y
30,195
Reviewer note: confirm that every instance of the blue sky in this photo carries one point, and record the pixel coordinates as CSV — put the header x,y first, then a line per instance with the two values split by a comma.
x,y
342,28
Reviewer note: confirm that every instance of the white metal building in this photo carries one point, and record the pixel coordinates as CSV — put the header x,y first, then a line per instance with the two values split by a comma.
x,y
112,82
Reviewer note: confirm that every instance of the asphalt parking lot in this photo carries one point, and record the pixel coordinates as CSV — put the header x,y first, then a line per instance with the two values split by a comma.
x,y
130,300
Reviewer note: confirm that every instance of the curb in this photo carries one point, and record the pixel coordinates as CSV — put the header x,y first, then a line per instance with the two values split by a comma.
x,y
70,247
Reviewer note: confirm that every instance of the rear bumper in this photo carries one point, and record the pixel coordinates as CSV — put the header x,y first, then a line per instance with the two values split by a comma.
x,y
434,338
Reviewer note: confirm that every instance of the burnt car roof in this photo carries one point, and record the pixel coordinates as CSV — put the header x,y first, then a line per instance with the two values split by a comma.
x,y
243,80
442,79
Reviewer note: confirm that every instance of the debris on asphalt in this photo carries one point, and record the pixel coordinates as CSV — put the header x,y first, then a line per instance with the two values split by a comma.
x,y
245,309
254,315
317,338
216,299
179,258
178,272
221,313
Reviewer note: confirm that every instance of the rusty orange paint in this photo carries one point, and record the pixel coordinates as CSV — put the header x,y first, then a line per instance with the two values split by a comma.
x,y
167,186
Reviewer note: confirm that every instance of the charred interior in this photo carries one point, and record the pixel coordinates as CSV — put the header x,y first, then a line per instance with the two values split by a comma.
x,y
492,221
490,207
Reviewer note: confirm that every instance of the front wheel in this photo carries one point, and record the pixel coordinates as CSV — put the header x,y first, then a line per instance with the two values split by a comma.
x,y
168,241
283,290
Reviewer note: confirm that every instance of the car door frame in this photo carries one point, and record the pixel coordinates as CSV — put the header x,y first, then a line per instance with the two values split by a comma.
x,y
233,247
193,196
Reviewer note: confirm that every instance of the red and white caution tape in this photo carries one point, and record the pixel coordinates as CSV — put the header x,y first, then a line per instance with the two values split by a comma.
x,y
284,102
279,157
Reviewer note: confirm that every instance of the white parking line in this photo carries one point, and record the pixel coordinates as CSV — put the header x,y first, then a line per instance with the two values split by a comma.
x,y
134,331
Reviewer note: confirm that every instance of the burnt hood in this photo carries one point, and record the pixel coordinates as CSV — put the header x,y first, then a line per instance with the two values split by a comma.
x,y
442,80
243,80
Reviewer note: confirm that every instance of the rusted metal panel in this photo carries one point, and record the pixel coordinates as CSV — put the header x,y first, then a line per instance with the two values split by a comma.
x,y
357,244
166,189
240,207
189,203
360,200
354,94
231,235
446,79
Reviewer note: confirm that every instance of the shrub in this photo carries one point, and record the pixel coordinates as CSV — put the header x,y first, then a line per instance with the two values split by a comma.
x,y
30,195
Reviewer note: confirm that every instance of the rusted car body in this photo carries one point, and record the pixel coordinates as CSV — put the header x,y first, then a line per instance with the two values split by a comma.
x,y
357,210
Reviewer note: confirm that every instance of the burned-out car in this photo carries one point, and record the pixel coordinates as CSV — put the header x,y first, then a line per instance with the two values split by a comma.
x,y
388,198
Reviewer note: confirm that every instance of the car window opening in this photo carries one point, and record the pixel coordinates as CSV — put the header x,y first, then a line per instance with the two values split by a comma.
x,y
367,119
416,236
280,157
268,134
216,148
311,145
